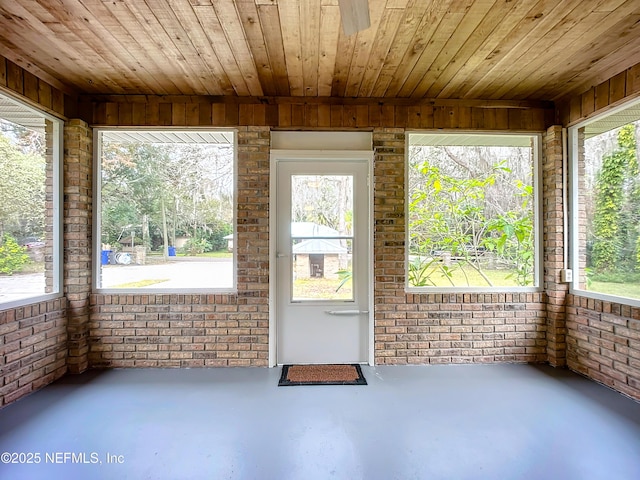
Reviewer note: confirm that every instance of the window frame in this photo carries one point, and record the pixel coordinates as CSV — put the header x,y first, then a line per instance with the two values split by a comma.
x,y
537,216
97,215
574,206
57,221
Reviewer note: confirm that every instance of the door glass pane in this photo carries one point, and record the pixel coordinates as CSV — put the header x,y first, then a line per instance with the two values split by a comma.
x,y
321,237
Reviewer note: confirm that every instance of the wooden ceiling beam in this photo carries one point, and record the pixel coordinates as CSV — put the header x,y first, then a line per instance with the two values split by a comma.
x,y
287,100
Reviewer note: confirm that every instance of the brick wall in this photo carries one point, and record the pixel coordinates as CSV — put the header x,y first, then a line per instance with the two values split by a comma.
x,y
200,330
438,328
178,331
603,338
33,348
78,158
33,338
603,342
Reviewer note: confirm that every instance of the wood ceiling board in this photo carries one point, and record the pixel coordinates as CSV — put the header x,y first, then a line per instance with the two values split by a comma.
x,y
24,57
489,68
362,49
120,16
415,48
229,18
609,66
120,29
215,49
487,50
27,30
97,49
200,76
8,51
397,4
255,38
436,14
156,42
292,43
411,20
472,47
171,48
208,65
577,57
380,49
270,22
330,28
451,23
310,40
535,61
451,51
344,55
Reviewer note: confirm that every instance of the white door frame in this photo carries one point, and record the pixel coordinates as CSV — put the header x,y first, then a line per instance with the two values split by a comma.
x,y
276,156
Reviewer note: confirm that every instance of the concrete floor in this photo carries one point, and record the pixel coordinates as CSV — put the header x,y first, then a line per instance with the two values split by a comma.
x,y
434,422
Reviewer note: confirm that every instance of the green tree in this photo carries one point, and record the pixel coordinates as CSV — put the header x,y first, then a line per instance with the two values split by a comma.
x,y
161,190
22,191
12,256
515,238
617,200
460,211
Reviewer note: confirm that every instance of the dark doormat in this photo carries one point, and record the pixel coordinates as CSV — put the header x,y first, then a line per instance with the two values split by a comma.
x,y
321,375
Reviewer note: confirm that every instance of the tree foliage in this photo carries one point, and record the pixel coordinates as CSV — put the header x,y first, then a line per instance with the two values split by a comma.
x,y
615,236
22,186
469,212
323,199
12,256
160,191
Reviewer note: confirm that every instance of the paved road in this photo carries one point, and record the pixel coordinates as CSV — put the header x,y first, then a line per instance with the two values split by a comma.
x,y
183,273
17,286
212,273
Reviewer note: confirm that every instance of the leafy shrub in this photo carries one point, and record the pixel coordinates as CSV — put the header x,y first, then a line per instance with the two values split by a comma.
x,y
12,256
195,246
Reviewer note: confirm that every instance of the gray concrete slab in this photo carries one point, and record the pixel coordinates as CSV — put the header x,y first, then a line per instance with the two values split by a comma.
x,y
431,422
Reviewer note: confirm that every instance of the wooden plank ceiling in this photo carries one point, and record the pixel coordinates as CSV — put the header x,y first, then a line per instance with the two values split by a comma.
x,y
414,49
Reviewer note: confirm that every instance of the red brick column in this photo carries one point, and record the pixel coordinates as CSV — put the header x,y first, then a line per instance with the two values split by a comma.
x,y
389,230
252,317
78,156
553,245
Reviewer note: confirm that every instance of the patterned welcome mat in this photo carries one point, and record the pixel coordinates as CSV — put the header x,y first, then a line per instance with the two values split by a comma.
x,y
321,375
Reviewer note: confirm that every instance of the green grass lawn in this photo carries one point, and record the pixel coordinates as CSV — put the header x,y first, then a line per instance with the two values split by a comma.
x,y
466,276
321,289
32,267
630,290
499,278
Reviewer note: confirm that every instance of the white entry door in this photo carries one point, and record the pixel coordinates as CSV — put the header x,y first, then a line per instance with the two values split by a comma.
x,y
322,259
